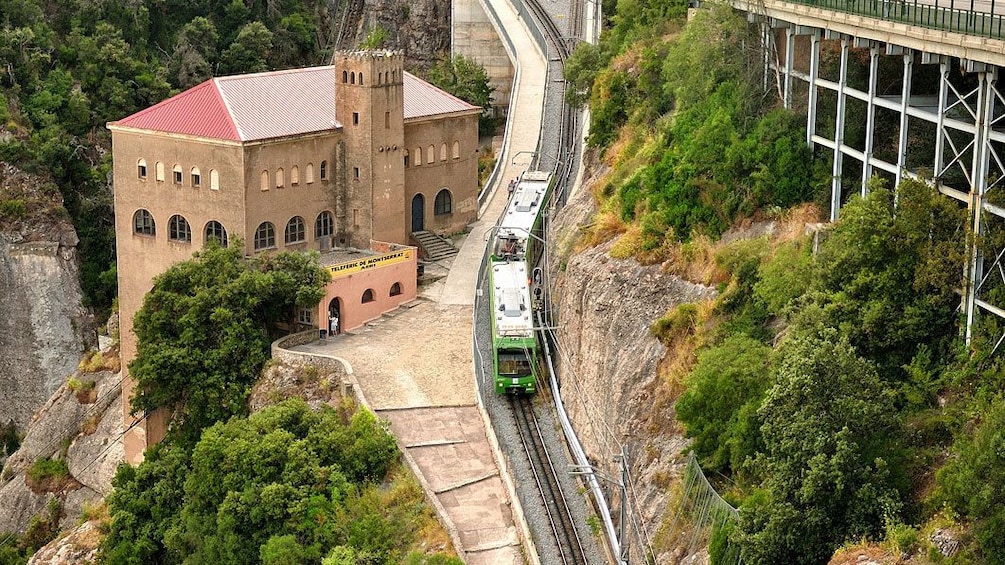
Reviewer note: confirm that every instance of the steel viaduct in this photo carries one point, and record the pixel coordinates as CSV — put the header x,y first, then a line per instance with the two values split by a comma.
x,y
948,109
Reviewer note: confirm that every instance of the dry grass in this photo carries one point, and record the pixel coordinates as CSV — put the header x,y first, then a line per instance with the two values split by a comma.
x,y
682,350
96,361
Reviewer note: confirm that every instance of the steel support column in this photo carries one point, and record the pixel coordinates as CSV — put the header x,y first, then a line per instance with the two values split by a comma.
x,y
940,132
836,172
811,106
905,101
765,53
790,48
870,117
979,169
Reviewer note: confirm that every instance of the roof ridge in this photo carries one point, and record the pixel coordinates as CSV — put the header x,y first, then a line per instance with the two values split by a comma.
x,y
274,72
229,108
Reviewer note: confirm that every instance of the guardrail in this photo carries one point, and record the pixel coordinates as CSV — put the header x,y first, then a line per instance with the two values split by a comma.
x,y
958,16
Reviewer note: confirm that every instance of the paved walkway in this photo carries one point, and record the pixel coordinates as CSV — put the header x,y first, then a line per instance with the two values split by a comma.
x,y
414,367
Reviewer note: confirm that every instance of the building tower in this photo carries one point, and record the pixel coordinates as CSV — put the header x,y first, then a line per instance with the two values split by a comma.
x,y
369,104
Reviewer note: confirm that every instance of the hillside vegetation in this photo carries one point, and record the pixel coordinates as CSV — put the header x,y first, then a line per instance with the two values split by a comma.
x,y
827,386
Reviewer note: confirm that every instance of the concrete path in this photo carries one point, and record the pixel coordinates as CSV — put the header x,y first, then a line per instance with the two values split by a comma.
x,y
414,367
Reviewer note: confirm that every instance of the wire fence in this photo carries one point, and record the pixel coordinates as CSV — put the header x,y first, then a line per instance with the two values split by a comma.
x,y
700,514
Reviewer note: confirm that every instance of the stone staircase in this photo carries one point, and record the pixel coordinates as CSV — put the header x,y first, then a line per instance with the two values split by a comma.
x,y
434,247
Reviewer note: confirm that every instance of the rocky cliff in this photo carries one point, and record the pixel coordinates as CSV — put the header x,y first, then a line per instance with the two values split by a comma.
x,y
610,363
80,425
42,323
421,28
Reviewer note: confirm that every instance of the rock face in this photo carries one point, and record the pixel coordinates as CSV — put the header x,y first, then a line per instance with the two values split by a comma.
x,y
42,323
609,361
421,28
81,428
78,546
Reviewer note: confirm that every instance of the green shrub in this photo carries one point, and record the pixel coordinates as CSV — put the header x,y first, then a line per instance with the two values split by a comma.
x,y
903,538
13,209
680,322
48,475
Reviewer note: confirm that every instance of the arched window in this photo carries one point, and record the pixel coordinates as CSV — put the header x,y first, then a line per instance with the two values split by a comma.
x,y
214,179
418,156
386,78
265,236
431,154
160,171
280,178
196,177
406,158
295,176
368,295
352,78
456,153
361,77
295,231
265,180
143,223
310,173
324,225
324,170
345,76
442,204
179,230
443,151
176,171
141,169
395,289
215,232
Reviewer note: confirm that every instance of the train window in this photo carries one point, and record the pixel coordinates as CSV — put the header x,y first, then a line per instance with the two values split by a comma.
x,y
514,364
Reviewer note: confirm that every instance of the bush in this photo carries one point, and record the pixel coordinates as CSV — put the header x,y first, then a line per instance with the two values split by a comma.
x,y
719,405
48,475
14,209
973,481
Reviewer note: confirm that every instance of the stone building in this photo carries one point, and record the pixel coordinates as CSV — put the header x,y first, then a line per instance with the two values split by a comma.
x,y
357,154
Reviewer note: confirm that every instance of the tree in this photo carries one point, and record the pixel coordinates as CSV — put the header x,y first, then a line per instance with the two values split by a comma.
x,y
973,481
827,427
467,80
889,272
719,405
204,330
195,53
285,485
250,51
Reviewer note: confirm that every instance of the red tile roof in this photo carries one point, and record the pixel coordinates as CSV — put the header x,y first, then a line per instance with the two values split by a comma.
x,y
273,104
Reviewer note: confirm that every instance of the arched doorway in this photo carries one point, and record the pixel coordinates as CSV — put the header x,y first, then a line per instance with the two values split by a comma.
x,y
335,316
418,211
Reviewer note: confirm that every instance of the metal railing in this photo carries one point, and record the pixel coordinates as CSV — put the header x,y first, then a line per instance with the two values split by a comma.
x,y
969,17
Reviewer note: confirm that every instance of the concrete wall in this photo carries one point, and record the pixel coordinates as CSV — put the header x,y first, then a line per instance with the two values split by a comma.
x,y
280,204
473,36
458,175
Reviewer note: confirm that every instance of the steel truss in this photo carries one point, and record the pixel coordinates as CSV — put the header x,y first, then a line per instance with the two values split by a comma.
x,y
970,138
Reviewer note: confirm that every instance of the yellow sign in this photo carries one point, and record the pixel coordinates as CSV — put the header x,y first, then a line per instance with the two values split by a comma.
x,y
343,269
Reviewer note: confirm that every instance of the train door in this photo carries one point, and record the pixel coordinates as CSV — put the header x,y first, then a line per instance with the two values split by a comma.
x,y
335,316
418,213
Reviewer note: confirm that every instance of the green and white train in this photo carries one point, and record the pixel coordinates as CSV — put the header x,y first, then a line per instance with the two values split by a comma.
x,y
516,250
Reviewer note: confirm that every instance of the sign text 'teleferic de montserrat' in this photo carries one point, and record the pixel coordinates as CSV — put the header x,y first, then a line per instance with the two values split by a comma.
x,y
343,269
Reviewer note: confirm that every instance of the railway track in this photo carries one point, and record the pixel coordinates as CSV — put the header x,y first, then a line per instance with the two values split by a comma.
x,y
561,46
563,526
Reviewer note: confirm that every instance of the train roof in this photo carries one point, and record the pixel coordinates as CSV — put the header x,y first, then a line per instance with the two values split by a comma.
x,y
511,306
525,204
